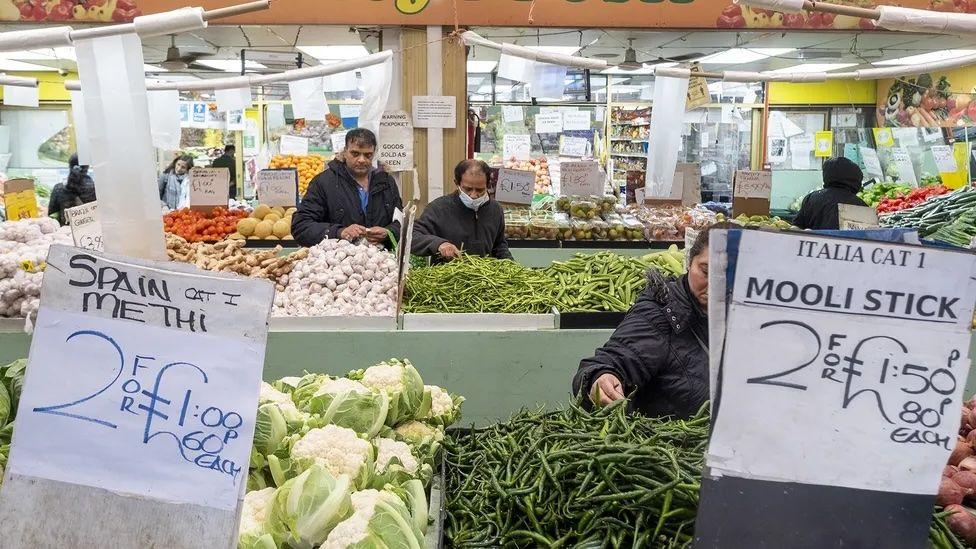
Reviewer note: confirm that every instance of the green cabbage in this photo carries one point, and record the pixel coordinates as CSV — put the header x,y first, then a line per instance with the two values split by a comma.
x,y
350,404
308,507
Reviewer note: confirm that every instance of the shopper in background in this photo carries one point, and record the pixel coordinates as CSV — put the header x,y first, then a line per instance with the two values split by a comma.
x,y
842,181
77,190
658,355
466,220
228,161
173,182
350,199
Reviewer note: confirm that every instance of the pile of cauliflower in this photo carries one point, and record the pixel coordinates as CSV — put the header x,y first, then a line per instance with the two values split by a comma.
x,y
23,250
344,462
339,278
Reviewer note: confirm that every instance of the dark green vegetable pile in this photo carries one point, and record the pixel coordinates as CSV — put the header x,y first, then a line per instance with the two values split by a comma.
x,y
575,478
11,383
581,479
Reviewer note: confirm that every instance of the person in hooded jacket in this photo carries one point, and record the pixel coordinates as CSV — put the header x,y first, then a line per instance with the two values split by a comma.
x,y
350,199
658,355
77,190
842,181
464,221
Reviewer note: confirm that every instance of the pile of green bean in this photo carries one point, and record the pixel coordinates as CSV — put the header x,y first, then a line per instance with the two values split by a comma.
x,y
598,282
472,284
575,478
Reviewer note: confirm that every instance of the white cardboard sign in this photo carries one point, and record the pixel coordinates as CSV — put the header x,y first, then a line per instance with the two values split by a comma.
x,y
824,333
209,186
549,122
395,141
435,111
574,146
517,146
872,164
856,217
515,186
945,161
576,120
86,228
114,413
293,145
512,113
903,164
277,187
753,184
582,178
338,141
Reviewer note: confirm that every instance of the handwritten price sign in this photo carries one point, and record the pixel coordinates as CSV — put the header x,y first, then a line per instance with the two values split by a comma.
x,y
825,333
111,403
753,184
209,187
86,228
278,187
515,186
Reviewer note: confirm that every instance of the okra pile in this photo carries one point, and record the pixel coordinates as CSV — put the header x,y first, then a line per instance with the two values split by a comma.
x,y
575,478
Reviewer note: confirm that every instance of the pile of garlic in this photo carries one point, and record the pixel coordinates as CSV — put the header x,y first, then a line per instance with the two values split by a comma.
x,y
23,250
339,278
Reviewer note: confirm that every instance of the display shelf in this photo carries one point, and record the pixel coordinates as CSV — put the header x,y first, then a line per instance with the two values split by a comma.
x,y
592,244
333,323
490,322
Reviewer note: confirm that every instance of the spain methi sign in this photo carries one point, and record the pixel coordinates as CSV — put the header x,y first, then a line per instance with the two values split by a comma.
x,y
838,382
138,406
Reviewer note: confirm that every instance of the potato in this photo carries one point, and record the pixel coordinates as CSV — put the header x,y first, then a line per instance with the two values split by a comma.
x,y
264,229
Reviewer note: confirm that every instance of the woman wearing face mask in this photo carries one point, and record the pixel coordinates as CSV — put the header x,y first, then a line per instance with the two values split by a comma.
x,y
173,182
464,221
659,352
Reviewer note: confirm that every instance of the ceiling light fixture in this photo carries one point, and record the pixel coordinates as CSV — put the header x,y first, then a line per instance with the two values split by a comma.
x,y
929,57
806,68
738,56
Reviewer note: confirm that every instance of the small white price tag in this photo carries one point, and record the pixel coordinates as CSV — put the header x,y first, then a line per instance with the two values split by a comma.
x,y
338,140
277,187
512,113
209,187
86,229
904,166
293,145
872,164
945,161
515,186
574,146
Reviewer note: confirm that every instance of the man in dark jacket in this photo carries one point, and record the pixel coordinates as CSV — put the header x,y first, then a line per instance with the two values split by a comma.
x,y
350,199
228,161
842,181
466,220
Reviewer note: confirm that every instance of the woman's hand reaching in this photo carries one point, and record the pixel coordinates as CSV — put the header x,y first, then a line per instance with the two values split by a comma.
x,y
606,390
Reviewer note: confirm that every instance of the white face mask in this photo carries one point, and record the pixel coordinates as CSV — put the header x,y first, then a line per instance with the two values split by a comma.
x,y
473,203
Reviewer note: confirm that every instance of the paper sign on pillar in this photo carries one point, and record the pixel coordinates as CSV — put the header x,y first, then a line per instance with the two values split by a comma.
x,y
855,355
395,148
751,191
435,111
138,408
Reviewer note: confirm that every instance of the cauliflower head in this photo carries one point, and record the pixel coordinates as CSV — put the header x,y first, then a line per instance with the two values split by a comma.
x,y
338,449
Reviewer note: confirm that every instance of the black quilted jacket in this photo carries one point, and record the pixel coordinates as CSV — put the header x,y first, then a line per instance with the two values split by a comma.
x,y
659,352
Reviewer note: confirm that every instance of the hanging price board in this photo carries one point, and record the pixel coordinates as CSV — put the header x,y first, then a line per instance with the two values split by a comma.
x,y
515,186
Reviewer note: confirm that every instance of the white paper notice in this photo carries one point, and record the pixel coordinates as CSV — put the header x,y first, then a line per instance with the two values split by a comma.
x,y
945,161
824,333
581,178
512,113
801,149
903,163
576,120
209,186
21,96
790,128
517,146
395,147
872,164
549,122
435,111
277,187
857,218
753,184
639,194
515,186
308,98
86,229
338,140
111,402
574,146
907,137
932,134
291,144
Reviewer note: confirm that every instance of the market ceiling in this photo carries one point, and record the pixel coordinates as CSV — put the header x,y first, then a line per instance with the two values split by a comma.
x,y
215,51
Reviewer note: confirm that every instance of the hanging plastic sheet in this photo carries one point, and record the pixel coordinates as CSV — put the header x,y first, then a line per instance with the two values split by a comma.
x,y
342,82
547,80
670,95
276,116
164,119
235,99
308,98
111,71
515,68
377,80
80,123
